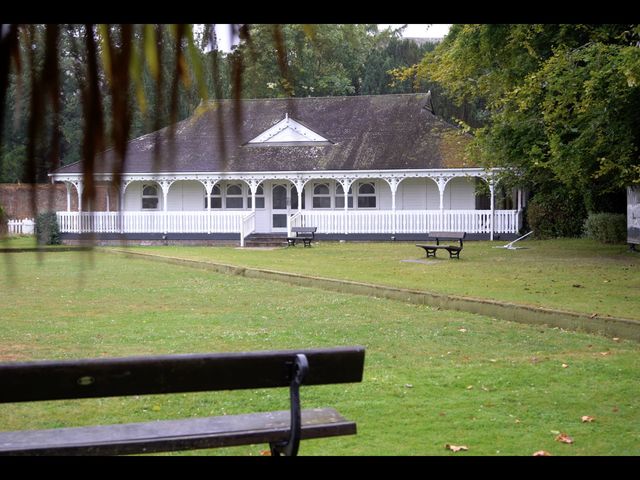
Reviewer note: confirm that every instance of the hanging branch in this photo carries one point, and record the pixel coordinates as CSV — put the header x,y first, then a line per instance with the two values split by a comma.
x,y
93,135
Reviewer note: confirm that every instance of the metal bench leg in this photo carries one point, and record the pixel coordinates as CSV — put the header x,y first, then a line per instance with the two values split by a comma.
x,y
290,448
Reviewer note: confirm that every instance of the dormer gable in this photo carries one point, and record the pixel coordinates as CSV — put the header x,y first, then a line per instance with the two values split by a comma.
x,y
288,132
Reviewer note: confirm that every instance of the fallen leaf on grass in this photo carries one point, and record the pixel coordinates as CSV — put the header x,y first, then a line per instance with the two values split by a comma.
x,y
564,365
469,387
605,353
541,453
463,330
456,448
265,453
616,339
564,438
587,419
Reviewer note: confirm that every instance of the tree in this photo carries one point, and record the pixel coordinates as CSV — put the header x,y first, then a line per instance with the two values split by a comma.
x,y
561,100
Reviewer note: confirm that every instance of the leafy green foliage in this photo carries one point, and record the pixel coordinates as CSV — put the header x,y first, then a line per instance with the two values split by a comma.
x,y
555,214
302,60
606,227
47,229
563,102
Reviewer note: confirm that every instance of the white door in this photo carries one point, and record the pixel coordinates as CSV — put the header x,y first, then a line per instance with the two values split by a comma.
x,y
280,206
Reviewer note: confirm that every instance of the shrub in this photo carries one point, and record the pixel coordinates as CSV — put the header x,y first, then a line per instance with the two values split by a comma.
x,y
47,229
556,214
606,227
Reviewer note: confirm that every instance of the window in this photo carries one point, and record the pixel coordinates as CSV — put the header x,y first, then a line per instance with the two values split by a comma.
x,y
321,196
367,195
234,197
150,198
339,200
259,198
215,198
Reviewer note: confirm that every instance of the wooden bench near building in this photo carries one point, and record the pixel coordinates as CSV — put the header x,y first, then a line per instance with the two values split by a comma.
x,y
306,234
127,376
454,250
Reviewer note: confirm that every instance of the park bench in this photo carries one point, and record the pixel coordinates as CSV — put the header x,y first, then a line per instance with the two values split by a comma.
x,y
306,234
112,377
454,250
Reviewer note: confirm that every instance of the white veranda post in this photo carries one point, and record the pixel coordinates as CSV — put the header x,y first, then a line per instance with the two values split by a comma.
x,y
68,185
346,185
79,188
165,185
393,184
492,190
208,188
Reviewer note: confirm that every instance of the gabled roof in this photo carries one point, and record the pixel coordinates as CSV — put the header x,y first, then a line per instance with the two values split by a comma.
x,y
371,132
288,132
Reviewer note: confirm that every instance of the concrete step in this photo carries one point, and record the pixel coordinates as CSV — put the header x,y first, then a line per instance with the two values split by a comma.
x,y
266,240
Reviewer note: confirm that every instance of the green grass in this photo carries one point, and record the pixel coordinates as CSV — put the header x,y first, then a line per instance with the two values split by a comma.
x,y
19,241
568,274
431,377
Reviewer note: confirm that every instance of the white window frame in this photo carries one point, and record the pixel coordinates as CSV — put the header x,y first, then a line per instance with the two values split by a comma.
x,y
147,196
214,196
227,196
315,195
373,195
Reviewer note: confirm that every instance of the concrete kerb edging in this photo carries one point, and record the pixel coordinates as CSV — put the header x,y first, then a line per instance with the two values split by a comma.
x,y
607,326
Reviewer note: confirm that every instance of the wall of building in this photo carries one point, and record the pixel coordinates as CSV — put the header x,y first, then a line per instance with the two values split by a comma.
x,y
17,200
412,194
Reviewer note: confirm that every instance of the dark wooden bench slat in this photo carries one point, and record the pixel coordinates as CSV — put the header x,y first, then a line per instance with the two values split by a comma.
x,y
171,435
110,377
448,235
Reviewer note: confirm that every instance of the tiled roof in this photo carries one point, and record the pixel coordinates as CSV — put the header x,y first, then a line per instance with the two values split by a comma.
x,y
368,132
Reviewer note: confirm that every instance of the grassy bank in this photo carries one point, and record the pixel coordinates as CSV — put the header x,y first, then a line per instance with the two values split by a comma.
x,y
569,274
431,377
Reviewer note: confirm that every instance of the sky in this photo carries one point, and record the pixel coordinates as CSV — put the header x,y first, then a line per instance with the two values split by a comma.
x,y
412,30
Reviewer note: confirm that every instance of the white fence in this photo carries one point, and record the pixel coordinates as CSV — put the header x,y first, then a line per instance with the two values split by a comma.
x,y
408,221
26,226
150,222
340,222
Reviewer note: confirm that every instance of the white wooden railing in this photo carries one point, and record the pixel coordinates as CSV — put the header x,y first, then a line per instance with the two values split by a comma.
x,y
334,221
25,226
247,226
407,221
150,222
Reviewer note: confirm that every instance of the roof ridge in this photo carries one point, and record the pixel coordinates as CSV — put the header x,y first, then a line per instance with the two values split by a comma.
x,y
317,97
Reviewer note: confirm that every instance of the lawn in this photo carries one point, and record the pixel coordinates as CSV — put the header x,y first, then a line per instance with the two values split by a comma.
x,y
431,377
568,274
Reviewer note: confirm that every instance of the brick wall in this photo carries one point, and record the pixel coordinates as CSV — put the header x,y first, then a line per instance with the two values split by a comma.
x,y
16,199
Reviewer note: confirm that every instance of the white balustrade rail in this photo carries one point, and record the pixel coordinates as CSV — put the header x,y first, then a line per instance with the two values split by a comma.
x,y
247,226
333,221
150,222
408,221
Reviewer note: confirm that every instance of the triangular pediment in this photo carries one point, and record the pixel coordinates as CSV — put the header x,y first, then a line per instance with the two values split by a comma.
x,y
288,132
